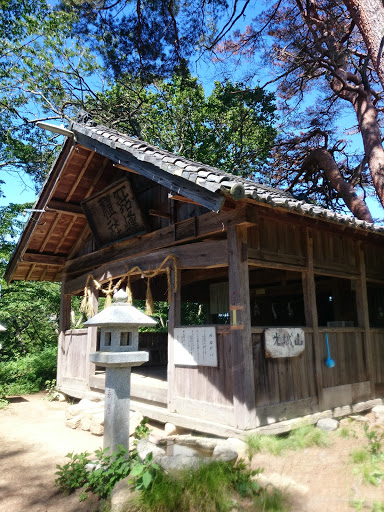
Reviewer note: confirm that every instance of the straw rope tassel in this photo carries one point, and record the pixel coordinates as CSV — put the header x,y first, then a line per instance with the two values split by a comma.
x,y
108,292
86,306
128,290
149,304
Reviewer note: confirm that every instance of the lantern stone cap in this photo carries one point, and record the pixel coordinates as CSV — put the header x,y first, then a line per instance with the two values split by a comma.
x,y
120,314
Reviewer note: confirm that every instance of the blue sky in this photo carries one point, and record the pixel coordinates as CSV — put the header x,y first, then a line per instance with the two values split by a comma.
x,y
17,190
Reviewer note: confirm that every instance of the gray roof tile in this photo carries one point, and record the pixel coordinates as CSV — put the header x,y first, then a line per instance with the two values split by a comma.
x,y
209,177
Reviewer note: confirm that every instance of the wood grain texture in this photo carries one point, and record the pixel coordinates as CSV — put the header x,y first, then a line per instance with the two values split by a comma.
x,y
241,340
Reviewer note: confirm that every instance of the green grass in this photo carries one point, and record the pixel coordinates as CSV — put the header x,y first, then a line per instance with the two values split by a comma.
x,y
218,487
298,439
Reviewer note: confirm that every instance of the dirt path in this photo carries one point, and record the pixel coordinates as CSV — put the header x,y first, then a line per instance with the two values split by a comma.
x,y
33,439
323,479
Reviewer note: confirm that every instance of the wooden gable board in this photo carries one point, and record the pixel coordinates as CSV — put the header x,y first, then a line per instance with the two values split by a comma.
x,y
174,183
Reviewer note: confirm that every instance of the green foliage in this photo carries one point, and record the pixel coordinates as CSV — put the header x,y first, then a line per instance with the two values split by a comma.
x,y
98,474
109,470
28,374
3,398
101,472
298,439
218,486
360,456
30,311
73,475
143,473
142,430
50,388
230,129
374,437
370,459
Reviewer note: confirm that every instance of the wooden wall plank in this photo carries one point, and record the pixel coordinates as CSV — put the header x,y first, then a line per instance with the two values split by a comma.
x,y
242,361
64,324
363,315
173,321
310,306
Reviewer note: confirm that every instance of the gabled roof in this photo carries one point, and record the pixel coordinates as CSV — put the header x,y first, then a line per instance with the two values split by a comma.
x,y
207,177
87,164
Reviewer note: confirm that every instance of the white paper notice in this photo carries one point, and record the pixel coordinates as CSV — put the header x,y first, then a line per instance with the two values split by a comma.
x,y
195,346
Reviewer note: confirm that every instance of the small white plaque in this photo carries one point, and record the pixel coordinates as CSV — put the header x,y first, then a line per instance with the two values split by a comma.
x,y
284,342
195,346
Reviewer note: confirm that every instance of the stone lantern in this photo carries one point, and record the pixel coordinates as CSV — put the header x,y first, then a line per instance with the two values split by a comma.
x,y
119,339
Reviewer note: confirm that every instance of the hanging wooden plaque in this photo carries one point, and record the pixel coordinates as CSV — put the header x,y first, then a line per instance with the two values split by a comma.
x,y
284,342
113,213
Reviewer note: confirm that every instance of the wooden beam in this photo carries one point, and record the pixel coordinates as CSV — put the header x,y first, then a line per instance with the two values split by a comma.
x,y
79,176
66,232
124,168
50,231
64,325
30,272
158,213
182,199
45,259
197,255
244,398
80,241
211,200
90,368
206,224
96,178
310,307
363,316
174,319
42,275
63,207
194,276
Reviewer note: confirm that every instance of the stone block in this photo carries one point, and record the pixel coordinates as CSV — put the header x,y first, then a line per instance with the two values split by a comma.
x,y
170,429
97,430
73,422
224,452
135,418
82,406
378,411
327,424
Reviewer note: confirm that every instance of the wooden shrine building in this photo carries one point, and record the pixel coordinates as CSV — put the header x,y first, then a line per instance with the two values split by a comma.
x,y
256,281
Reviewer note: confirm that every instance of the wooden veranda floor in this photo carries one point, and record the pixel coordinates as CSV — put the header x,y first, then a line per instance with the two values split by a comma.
x,y
147,383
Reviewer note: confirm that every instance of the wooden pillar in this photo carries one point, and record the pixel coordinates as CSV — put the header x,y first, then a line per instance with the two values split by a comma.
x,y
92,336
64,325
173,321
311,318
244,399
363,315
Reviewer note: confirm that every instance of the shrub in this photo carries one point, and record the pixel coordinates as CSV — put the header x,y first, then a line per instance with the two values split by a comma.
x,y
29,373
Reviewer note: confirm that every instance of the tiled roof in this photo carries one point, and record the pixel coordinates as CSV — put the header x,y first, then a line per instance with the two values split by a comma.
x,y
211,178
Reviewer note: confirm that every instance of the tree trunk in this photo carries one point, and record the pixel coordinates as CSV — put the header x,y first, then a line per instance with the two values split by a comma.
x,y
325,161
370,132
369,18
